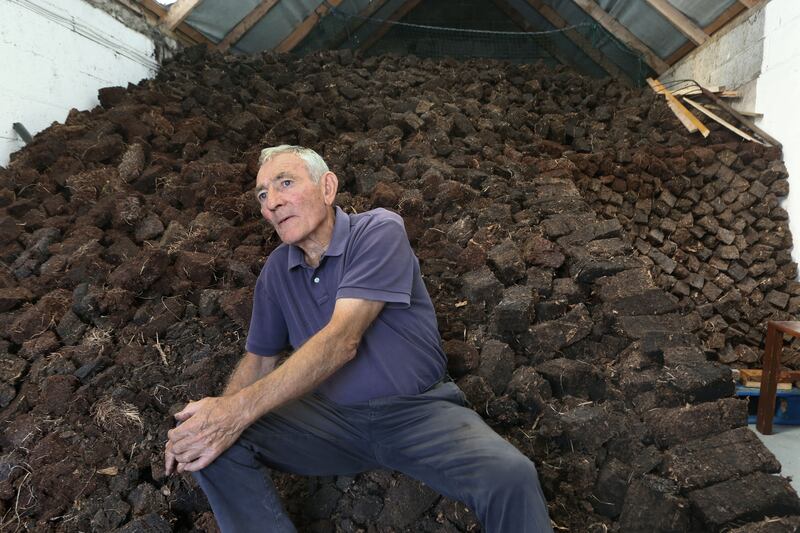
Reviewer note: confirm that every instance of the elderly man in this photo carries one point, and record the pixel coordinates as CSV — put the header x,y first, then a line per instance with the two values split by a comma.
x,y
365,386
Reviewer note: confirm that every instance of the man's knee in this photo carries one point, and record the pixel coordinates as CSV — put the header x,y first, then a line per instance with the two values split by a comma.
x,y
510,473
519,470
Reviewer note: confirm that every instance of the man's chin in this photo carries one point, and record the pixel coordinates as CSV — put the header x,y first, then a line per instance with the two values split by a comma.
x,y
287,239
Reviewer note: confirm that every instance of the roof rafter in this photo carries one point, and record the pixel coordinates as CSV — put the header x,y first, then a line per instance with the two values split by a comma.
x,y
749,4
680,21
155,13
299,33
244,25
362,17
398,13
622,33
178,12
582,42
518,19
733,11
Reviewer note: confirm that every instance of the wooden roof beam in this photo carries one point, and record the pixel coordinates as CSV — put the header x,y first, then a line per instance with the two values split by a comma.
x,y
582,42
622,33
726,16
749,4
244,25
178,12
518,19
155,14
680,21
361,18
398,13
305,27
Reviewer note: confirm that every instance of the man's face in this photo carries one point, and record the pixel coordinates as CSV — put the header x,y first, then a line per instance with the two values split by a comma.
x,y
291,201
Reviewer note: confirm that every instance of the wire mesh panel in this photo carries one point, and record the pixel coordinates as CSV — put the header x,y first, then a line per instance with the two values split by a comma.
x,y
433,41
470,29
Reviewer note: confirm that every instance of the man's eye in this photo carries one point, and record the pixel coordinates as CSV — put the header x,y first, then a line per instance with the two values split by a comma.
x,y
261,196
286,183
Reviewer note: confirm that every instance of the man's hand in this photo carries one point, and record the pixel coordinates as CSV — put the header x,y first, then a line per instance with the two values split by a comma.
x,y
207,428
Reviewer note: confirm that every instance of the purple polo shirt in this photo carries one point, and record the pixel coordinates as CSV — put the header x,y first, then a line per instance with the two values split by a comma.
x,y
369,257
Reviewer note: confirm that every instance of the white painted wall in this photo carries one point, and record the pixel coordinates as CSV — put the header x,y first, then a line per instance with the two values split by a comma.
x,y
55,55
731,58
777,100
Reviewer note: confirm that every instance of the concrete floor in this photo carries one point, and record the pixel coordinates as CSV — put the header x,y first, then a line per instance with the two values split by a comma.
x,y
784,443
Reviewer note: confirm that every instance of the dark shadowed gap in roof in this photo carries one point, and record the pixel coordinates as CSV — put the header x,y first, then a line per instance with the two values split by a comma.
x,y
497,37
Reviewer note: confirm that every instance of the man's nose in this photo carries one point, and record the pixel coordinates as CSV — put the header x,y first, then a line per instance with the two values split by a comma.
x,y
273,201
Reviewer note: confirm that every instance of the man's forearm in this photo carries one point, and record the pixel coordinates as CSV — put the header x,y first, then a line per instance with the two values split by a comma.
x,y
212,425
315,361
250,369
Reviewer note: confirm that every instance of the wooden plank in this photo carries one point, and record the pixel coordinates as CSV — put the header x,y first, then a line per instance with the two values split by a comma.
x,y
183,33
770,361
679,20
761,133
691,122
748,114
244,25
305,27
755,374
178,12
714,116
726,16
398,13
360,19
693,89
623,34
749,4
582,42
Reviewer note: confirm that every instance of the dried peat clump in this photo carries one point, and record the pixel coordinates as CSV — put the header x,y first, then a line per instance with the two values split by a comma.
x,y
590,268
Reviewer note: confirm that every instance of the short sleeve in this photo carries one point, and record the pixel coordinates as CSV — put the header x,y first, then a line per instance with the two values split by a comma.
x,y
268,333
380,263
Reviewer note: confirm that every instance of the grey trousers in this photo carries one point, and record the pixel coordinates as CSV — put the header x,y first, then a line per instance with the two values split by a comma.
x,y
432,437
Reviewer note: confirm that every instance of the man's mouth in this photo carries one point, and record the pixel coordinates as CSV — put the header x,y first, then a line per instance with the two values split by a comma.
x,y
281,221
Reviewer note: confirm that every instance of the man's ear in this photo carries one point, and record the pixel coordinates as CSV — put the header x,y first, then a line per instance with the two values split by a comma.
x,y
330,186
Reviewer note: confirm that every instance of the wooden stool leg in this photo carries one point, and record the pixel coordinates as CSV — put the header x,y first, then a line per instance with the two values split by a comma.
x,y
769,379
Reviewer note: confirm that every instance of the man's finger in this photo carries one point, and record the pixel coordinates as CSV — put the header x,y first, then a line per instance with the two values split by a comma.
x,y
169,463
188,449
186,413
199,463
181,431
169,459
188,456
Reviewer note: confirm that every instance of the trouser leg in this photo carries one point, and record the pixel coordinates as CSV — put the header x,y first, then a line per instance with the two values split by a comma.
x,y
434,438
241,493
309,436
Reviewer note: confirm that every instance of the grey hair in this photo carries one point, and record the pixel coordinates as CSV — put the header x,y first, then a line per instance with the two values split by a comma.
x,y
315,165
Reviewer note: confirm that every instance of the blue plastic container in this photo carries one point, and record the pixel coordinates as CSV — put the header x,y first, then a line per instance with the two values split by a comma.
x,y
787,405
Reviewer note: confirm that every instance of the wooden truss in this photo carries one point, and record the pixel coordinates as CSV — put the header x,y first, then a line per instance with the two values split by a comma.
x,y
173,21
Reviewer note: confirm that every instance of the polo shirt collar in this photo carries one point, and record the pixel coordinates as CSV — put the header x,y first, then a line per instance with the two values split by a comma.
x,y
341,232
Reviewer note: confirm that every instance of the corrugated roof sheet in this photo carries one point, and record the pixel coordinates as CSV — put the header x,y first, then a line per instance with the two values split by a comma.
x,y
215,18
